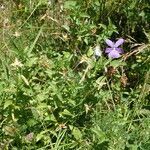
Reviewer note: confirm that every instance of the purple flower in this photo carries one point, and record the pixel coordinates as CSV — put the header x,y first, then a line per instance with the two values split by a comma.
x,y
114,51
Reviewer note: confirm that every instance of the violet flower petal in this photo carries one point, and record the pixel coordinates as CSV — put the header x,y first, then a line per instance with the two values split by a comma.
x,y
119,50
108,50
110,43
114,54
119,42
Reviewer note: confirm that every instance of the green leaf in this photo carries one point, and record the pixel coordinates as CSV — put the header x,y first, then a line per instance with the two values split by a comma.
x,y
66,27
24,79
117,63
90,52
101,81
8,103
43,135
86,41
84,15
35,40
31,61
31,122
66,112
39,137
69,4
76,133
41,97
50,117
99,134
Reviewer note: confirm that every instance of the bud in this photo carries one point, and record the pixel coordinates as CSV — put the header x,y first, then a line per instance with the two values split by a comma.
x,y
97,51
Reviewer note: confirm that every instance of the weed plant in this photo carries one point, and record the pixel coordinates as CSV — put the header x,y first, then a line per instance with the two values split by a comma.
x,y
56,93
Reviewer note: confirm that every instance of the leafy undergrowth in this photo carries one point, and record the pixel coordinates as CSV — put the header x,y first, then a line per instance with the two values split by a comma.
x,y
56,93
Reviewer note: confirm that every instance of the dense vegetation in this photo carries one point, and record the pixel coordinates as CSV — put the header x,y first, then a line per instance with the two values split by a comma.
x,y
56,92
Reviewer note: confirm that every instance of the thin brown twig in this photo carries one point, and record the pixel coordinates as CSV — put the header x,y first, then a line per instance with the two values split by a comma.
x,y
136,51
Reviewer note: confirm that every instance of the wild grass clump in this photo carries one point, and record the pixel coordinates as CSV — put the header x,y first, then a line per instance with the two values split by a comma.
x,y
61,89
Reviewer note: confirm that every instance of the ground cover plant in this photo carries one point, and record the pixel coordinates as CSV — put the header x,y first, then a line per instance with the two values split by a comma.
x,y
75,75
